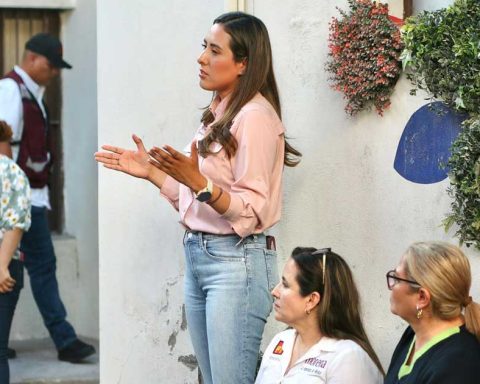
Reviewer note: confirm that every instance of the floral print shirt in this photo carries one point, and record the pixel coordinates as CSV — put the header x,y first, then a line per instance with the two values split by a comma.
x,y
14,198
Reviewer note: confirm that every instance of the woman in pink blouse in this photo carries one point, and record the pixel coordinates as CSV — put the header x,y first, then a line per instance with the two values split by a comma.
x,y
228,191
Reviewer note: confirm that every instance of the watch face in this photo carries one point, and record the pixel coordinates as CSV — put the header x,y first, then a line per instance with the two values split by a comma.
x,y
204,196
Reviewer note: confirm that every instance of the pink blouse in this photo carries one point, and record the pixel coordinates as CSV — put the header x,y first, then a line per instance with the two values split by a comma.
x,y
253,177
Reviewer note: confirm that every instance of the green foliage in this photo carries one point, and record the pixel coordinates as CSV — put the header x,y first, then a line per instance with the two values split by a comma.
x,y
365,47
442,57
442,54
464,187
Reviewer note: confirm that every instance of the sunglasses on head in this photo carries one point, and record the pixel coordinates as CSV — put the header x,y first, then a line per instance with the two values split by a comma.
x,y
323,251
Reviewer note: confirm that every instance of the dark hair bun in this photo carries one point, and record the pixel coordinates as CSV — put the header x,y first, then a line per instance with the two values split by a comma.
x,y
5,131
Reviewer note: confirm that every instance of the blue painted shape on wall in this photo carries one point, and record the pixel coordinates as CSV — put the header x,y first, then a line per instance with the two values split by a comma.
x,y
425,143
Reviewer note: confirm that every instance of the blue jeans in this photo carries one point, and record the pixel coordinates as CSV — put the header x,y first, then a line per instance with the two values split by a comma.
x,y
227,300
41,265
8,302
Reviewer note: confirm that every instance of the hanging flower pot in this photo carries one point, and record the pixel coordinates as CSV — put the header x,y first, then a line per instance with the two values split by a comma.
x,y
365,47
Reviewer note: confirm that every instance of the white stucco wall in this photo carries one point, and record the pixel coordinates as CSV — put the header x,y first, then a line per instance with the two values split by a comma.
x,y
77,248
80,141
27,322
147,84
395,7
429,5
54,4
345,194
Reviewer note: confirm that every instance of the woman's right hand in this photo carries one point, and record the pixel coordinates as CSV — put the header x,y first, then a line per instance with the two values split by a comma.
x,y
134,163
6,281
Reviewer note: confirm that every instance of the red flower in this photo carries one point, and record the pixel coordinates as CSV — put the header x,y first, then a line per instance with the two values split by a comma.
x,y
364,47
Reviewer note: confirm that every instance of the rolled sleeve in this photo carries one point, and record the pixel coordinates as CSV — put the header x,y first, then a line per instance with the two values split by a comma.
x,y
257,136
170,191
11,109
15,197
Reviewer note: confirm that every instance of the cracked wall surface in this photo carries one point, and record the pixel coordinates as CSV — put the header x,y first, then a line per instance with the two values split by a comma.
x,y
345,194
151,88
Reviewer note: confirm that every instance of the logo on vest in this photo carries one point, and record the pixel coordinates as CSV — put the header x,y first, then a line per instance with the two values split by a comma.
x,y
278,350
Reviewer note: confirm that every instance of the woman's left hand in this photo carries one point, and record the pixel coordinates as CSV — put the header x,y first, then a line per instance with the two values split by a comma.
x,y
182,168
6,281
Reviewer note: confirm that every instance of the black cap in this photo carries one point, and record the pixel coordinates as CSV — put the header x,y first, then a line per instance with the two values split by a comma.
x,y
49,46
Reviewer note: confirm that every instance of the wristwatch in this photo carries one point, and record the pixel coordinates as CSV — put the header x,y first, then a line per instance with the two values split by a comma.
x,y
205,194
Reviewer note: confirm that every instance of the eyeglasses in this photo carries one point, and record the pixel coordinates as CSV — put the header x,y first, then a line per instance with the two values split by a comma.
x,y
323,251
393,280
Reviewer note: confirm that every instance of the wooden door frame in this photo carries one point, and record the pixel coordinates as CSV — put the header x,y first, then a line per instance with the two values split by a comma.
x,y
407,8
51,23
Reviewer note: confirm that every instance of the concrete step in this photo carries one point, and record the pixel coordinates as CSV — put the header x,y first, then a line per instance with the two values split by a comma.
x,y
37,363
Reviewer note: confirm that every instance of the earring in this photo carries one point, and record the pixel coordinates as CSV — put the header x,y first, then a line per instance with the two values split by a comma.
x,y
419,312
307,311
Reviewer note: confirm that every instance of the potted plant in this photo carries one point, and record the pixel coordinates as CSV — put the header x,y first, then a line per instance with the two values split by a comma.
x,y
464,165
442,57
364,50
442,54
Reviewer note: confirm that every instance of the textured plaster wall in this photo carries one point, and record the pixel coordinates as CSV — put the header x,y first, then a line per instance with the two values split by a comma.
x,y
345,194
429,5
147,84
77,249
80,141
395,7
55,4
28,323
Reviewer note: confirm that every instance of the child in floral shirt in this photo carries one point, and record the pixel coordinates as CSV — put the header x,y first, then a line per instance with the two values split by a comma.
x,y
14,219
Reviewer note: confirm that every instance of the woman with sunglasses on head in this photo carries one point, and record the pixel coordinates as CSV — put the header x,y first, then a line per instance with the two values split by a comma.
x,y
431,292
327,343
228,191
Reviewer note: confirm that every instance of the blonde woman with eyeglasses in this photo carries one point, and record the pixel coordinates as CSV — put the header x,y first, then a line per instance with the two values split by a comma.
x,y
326,343
431,292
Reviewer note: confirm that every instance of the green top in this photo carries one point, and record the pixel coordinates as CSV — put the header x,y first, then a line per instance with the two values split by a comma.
x,y
406,369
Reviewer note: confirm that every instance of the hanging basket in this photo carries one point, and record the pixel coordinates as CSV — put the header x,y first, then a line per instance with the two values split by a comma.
x,y
364,50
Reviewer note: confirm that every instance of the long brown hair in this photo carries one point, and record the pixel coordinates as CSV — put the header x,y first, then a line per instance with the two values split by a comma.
x,y
249,42
339,308
444,270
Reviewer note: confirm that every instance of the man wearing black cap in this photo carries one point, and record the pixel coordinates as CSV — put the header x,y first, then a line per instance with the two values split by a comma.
x,y
21,105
